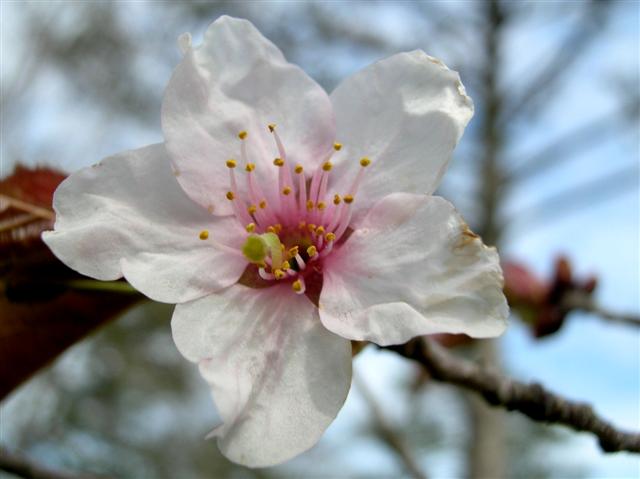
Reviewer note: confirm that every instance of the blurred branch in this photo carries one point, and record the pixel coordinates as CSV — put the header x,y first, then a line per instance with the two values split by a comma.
x,y
532,399
23,467
578,300
580,139
585,195
567,53
387,433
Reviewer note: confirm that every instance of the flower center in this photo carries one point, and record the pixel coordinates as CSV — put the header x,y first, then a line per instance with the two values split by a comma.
x,y
288,240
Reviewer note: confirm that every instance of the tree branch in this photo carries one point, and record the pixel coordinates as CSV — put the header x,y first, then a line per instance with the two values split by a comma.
x,y
23,467
578,300
387,433
533,399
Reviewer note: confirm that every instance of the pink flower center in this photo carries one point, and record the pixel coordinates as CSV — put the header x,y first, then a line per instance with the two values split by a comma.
x,y
288,240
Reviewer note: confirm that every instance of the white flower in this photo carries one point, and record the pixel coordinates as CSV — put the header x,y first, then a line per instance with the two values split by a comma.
x,y
278,244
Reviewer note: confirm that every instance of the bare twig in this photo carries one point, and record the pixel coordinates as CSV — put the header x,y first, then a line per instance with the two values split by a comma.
x,y
580,139
387,433
579,300
533,399
23,467
585,195
570,50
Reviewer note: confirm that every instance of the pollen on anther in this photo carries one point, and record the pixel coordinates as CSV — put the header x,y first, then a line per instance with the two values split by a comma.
x,y
251,209
312,251
251,227
278,162
286,265
327,166
204,234
298,169
271,229
336,199
286,190
250,167
242,135
294,250
320,230
337,146
262,204
321,206
230,195
309,205
271,126
348,199
279,274
311,227
330,237
364,162
231,163
297,285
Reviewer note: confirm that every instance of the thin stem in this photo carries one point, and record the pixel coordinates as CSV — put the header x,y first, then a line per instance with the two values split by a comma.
x,y
532,399
387,433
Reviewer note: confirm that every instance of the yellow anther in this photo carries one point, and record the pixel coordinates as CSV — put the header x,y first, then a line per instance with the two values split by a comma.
x,y
321,205
348,199
294,251
337,146
204,234
272,126
311,227
279,274
330,237
286,190
278,162
297,285
231,163
312,251
327,166
250,167
263,204
309,205
286,265
252,209
298,169
364,162
230,195
271,229
251,227
242,135
320,230
336,199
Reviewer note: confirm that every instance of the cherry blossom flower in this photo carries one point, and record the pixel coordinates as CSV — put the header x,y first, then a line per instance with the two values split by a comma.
x,y
285,222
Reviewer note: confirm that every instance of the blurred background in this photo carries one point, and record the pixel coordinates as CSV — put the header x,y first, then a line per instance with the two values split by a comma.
x,y
547,170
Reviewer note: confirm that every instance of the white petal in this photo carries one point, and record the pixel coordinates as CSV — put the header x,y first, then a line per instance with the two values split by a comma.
x,y
238,80
277,376
413,268
406,113
128,216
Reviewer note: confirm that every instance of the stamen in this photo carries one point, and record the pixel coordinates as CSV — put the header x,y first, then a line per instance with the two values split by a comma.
x,y
298,285
230,195
250,167
312,251
251,227
286,190
336,199
264,275
330,237
279,274
204,234
231,163
301,264
263,204
337,146
242,135
278,162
